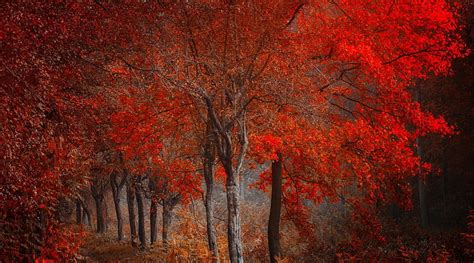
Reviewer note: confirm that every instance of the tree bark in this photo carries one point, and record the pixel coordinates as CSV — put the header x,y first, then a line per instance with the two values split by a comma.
x,y
233,218
153,209
106,214
78,212
208,167
444,178
209,205
231,155
97,189
166,224
86,212
423,205
141,215
116,189
153,215
131,210
168,206
99,206
275,211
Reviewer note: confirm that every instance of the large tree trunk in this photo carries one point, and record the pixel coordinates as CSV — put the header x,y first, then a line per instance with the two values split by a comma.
x,y
131,210
208,167
99,206
141,215
232,160
118,213
116,189
275,211
168,206
233,218
211,231
78,212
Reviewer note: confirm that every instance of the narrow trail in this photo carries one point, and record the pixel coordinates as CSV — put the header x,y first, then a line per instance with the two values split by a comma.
x,y
105,248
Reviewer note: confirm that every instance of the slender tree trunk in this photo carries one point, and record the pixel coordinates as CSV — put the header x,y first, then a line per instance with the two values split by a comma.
x,y
153,209
166,223
86,211
99,205
275,211
88,216
423,205
228,158
444,186
153,215
78,212
233,220
97,189
141,215
423,202
131,210
209,205
168,205
208,167
116,188
444,178
106,214
119,221
421,181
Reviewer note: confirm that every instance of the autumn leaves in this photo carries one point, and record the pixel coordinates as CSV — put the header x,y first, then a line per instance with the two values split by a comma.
x,y
183,89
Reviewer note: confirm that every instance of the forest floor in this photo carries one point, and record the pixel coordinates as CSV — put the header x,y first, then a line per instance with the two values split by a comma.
x,y
105,248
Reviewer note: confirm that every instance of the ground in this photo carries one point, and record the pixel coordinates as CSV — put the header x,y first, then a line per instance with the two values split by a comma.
x,y
105,248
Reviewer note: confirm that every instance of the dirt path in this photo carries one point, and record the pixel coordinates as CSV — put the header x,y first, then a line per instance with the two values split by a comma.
x,y
104,248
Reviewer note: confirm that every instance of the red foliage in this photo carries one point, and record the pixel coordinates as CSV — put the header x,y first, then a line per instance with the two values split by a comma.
x,y
366,138
44,124
324,83
153,131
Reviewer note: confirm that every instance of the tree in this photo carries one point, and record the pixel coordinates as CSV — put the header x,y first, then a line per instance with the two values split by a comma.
x,y
116,189
275,210
131,208
141,210
98,186
368,93
44,125
171,175
224,57
207,76
208,164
